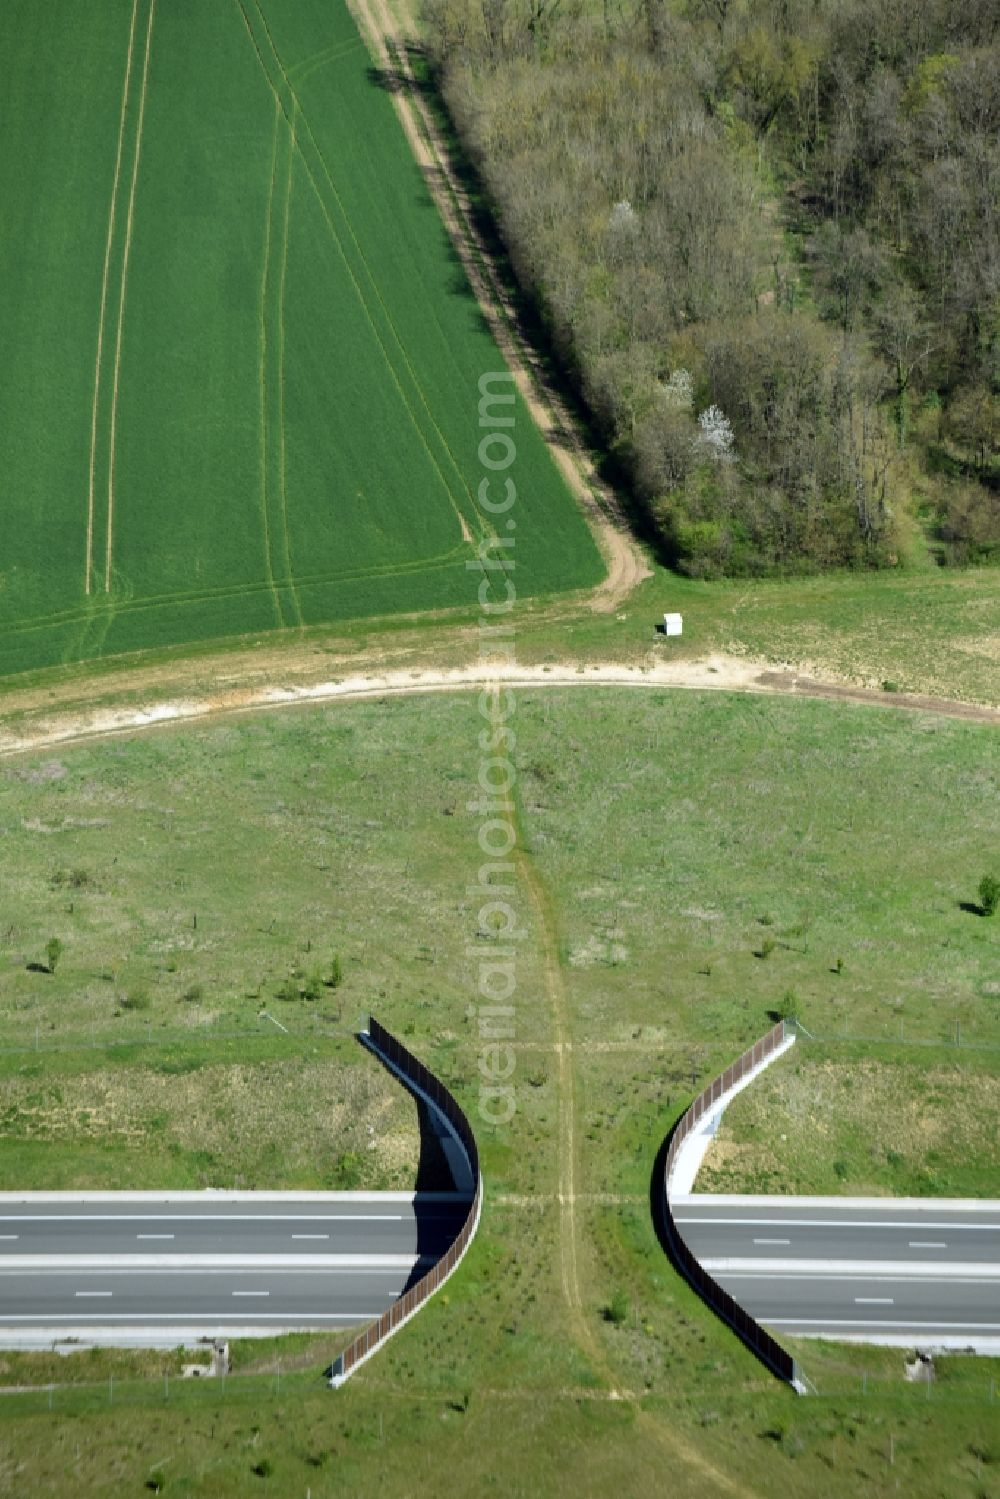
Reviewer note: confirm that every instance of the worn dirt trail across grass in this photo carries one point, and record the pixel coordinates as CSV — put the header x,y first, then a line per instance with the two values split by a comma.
x,y
581,1329
44,726
559,1007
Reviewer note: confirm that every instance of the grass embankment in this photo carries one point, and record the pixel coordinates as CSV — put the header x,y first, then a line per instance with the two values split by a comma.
x,y
858,1119
254,1113
661,828
707,854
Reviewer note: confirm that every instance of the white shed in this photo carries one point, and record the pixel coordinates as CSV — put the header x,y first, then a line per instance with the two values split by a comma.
x,y
673,624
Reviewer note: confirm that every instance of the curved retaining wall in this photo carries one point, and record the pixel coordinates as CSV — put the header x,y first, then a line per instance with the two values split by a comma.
x,y
747,1328
419,1077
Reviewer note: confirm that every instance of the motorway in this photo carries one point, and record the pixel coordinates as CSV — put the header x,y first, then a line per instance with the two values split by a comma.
x,y
917,1271
922,1272
215,1261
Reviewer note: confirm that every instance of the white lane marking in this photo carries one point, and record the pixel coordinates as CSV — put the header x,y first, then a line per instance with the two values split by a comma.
x,y
93,1293
783,1202
823,1268
216,1217
296,1319
10,1236
155,1236
990,1228
150,1259
251,1293
772,1241
310,1236
927,1244
724,1276
901,1321
212,1197
873,1301
154,1267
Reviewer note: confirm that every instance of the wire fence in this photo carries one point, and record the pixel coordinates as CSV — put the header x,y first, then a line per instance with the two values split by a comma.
x,y
888,1391
952,1034
901,1391
22,1040
162,1391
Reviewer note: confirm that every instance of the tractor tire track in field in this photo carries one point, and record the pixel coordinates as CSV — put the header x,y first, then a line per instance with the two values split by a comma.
x,y
126,253
282,449
263,363
228,591
484,526
112,217
274,498
626,564
361,273
321,59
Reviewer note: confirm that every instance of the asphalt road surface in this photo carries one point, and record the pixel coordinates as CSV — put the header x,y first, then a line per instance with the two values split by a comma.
x,y
217,1263
847,1269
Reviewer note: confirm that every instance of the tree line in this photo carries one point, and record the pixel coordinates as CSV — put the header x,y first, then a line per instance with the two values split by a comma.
x,y
763,239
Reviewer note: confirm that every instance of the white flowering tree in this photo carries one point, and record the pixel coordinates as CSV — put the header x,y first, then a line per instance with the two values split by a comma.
x,y
623,217
715,434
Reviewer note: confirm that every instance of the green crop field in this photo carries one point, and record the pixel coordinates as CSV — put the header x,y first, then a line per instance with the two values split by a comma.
x,y
241,368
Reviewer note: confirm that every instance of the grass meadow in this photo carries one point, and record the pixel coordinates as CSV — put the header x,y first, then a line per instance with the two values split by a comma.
x,y
668,838
865,1120
241,391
